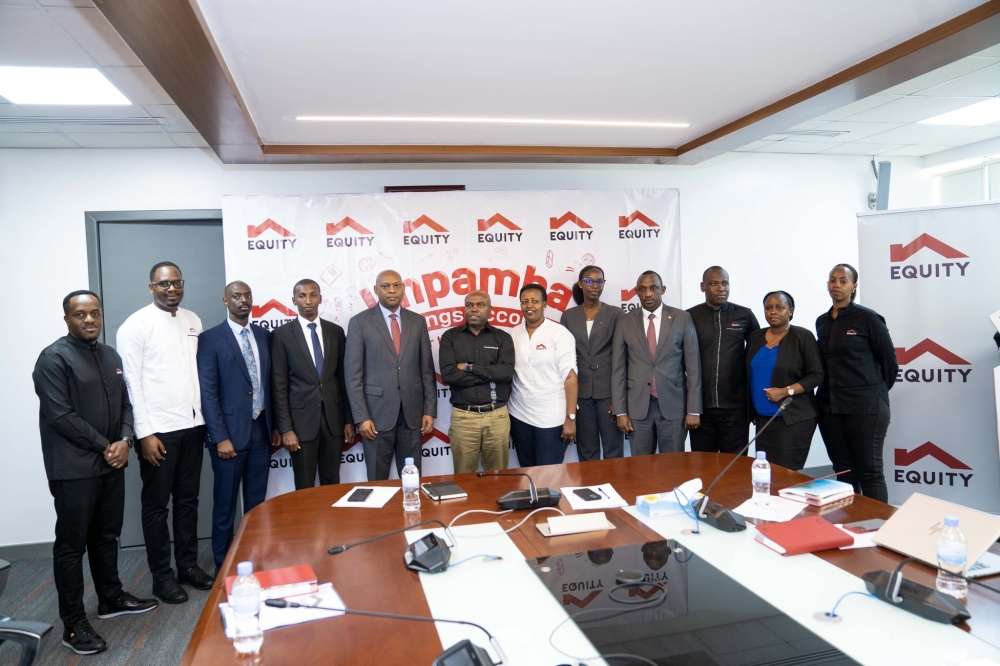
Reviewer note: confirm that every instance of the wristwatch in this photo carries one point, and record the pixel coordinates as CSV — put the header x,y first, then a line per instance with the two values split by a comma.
x,y
571,417
468,367
130,441
791,391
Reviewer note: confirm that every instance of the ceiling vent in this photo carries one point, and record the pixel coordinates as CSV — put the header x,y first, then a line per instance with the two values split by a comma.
x,y
56,120
814,132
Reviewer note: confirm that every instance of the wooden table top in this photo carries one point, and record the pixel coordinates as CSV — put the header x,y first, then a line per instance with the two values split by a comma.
x,y
299,527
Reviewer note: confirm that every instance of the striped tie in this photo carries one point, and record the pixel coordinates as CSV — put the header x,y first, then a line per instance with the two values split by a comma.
x,y
397,336
258,402
651,341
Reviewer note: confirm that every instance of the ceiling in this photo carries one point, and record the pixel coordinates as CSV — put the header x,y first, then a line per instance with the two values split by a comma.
x,y
73,33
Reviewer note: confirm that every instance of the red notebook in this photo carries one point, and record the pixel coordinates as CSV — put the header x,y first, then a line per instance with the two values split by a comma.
x,y
279,583
802,535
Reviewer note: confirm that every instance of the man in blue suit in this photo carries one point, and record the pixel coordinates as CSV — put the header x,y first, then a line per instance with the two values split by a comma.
x,y
234,367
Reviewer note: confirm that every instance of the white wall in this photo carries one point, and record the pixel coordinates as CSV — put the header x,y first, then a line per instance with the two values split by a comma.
x,y
774,221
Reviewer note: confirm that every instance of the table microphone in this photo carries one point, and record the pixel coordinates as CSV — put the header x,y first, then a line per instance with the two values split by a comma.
x,y
714,513
533,498
426,555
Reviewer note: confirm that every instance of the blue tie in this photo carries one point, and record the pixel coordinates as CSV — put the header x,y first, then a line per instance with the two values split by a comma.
x,y
317,351
248,357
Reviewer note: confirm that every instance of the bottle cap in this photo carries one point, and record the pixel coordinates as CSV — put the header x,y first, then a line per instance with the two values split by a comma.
x,y
762,455
407,461
951,521
244,568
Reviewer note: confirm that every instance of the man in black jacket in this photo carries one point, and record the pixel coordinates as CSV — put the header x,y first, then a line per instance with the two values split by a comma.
x,y
85,419
723,330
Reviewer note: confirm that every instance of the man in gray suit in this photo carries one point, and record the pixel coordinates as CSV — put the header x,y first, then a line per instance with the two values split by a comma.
x,y
656,372
390,379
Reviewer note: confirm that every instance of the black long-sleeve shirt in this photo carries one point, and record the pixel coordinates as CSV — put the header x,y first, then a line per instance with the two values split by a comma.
x,y
492,356
83,407
859,361
722,340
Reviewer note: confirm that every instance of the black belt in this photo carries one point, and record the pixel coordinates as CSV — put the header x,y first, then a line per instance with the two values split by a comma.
x,y
492,407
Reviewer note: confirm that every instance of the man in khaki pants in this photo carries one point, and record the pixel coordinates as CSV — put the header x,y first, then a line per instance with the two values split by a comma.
x,y
477,361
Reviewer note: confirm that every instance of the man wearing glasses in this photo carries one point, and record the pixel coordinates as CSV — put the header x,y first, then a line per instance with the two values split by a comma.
x,y
159,347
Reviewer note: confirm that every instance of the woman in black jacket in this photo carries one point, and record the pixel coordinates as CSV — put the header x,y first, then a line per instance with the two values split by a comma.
x,y
860,367
783,361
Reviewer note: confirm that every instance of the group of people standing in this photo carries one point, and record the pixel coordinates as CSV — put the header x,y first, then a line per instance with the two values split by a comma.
x,y
654,373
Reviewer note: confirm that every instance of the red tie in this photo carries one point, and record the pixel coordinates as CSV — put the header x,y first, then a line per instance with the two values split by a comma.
x,y
651,341
397,337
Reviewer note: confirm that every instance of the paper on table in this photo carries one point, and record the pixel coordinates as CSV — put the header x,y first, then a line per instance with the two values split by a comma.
x,y
778,510
610,499
863,540
379,497
271,618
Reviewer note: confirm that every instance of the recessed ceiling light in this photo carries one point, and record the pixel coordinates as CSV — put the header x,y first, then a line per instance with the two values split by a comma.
x,y
490,121
58,85
980,113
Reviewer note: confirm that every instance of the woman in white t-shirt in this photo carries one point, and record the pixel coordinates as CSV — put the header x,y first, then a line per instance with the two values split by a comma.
x,y
543,399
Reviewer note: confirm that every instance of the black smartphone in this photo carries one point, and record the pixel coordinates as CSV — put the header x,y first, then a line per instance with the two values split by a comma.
x,y
360,495
586,494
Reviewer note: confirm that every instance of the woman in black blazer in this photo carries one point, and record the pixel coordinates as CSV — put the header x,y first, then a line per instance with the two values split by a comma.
x,y
592,323
782,361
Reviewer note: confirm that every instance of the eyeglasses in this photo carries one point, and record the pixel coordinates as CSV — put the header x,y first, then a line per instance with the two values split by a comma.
x,y
166,284
591,282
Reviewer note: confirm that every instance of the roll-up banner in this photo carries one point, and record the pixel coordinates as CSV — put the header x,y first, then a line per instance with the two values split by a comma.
x,y
934,274
444,245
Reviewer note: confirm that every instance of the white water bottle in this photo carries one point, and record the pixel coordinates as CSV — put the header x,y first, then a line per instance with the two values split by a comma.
x,y
411,486
951,555
760,474
245,598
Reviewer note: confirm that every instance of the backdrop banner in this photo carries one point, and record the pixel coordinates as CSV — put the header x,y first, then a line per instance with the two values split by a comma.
x,y
444,245
934,274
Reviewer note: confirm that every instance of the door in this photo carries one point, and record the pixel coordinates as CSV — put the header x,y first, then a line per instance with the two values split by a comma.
x,y
123,246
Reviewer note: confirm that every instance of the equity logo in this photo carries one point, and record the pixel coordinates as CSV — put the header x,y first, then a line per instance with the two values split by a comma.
x,y
361,237
435,451
628,295
650,230
930,477
929,375
501,236
272,314
557,222
899,253
410,237
278,237
569,599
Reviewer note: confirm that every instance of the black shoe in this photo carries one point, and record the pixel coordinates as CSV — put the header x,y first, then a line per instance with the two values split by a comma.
x,y
82,639
196,578
169,591
126,605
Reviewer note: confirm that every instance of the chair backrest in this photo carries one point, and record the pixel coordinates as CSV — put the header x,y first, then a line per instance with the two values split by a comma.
x,y
4,572
26,634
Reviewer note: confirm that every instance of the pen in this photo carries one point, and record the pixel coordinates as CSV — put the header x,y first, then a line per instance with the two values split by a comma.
x,y
601,490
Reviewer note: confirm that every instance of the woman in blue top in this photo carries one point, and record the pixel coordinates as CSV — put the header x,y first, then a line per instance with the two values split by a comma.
x,y
783,361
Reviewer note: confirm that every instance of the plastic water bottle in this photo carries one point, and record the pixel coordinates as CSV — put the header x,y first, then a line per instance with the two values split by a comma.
x,y
411,486
760,473
951,555
245,598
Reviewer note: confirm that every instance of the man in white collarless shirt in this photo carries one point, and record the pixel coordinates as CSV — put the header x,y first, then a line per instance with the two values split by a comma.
x,y
159,347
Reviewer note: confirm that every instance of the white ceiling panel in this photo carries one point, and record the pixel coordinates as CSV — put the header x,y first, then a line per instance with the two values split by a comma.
x,y
982,83
750,147
859,106
854,131
103,129
138,85
862,149
177,121
917,150
20,140
11,110
189,140
969,136
93,32
122,140
913,133
992,52
794,147
809,124
65,3
29,38
912,109
24,128
941,75
133,111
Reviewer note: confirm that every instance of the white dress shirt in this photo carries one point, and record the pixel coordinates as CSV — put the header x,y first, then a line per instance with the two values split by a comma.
x,y
238,332
159,358
388,322
304,323
657,318
541,364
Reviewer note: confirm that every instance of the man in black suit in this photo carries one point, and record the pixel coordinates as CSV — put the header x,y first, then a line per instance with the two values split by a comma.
x,y
234,370
308,394
85,419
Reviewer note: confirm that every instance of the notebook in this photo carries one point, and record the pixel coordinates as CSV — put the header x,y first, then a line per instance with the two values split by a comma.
x,y
443,490
280,583
818,492
802,535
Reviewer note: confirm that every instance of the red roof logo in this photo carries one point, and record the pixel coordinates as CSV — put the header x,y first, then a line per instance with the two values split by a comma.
x,y
556,222
580,603
629,294
442,382
484,225
423,220
259,311
905,458
436,434
636,591
624,221
904,252
254,231
346,223
905,356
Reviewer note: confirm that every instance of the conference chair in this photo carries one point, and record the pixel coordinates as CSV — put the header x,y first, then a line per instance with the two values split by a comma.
x,y
26,634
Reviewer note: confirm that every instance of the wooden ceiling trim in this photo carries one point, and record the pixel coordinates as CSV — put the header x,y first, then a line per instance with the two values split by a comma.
x,y
448,149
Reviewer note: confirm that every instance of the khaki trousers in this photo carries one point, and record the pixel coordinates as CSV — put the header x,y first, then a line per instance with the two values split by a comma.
x,y
474,433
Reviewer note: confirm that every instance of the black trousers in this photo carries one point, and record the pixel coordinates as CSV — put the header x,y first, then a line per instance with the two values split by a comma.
x,y
88,517
537,446
179,477
721,430
785,445
855,442
322,453
402,441
596,426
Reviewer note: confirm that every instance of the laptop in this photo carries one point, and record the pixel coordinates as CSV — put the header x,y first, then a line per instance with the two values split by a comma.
x,y
913,531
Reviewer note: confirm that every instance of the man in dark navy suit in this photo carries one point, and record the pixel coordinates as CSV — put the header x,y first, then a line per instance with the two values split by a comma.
x,y
234,368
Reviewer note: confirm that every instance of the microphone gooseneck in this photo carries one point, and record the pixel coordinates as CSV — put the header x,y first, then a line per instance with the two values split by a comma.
x,y
340,549
532,489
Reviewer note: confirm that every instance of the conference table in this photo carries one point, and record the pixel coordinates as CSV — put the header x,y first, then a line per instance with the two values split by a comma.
x,y
300,527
